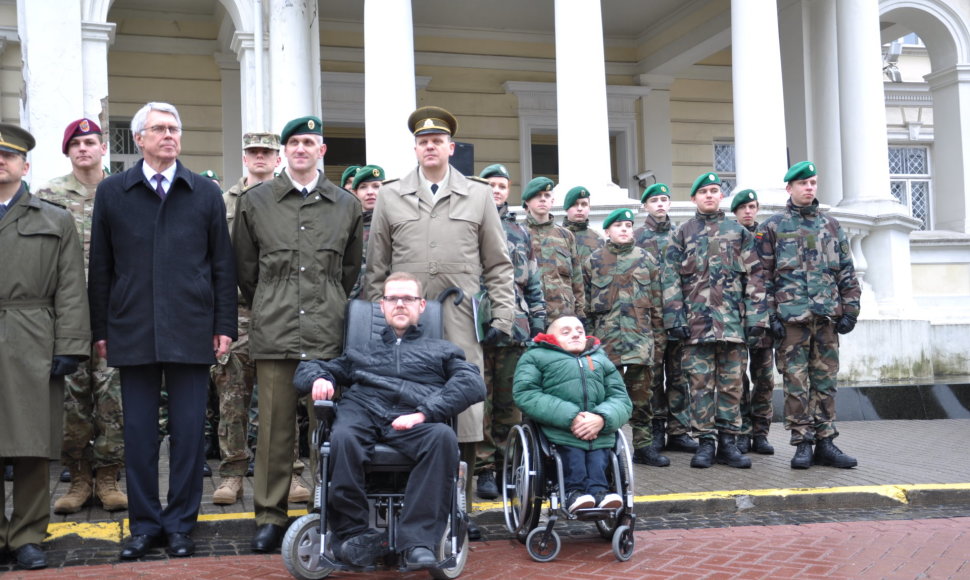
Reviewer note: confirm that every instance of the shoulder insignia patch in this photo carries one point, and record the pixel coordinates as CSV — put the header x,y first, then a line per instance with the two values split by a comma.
x,y
386,181
477,178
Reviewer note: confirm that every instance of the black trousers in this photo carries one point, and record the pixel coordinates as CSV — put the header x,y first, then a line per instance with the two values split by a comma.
x,y
141,387
427,497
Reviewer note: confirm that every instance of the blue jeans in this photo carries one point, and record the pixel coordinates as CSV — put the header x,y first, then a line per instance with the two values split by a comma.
x,y
583,470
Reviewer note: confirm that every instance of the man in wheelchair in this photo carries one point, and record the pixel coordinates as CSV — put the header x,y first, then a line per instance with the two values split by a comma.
x,y
403,390
567,384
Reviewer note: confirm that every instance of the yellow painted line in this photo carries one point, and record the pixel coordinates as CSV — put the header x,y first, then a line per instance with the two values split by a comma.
x,y
107,531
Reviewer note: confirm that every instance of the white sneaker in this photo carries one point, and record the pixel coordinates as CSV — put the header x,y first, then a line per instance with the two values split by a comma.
x,y
611,501
580,501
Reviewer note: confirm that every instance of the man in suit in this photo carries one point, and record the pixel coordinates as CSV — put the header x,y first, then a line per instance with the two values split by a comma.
x,y
162,287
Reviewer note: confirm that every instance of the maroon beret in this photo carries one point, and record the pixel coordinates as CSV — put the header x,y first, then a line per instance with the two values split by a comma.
x,y
78,128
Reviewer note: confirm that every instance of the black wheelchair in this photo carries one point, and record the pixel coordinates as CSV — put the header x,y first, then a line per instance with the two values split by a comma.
x,y
308,545
533,476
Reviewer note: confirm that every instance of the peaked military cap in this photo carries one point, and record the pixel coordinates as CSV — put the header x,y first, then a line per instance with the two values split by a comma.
x,y
618,215
308,125
801,170
533,188
348,173
655,189
743,197
703,180
368,173
427,120
210,174
78,128
495,170
261,140
15,139
573,195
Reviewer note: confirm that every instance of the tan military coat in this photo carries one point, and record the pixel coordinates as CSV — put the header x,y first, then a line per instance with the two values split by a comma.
x,y
43,313
454,238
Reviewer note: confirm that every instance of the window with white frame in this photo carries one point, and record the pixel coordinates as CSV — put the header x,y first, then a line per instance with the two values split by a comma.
x,y
724,166
909,180
121,143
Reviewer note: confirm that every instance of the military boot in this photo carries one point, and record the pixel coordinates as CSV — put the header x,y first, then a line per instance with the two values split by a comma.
x,y
803,456
80,491
728,454
648,455
681,442
230,489
826,453
107,490
761,446
658,430
298,492
704,457
744,443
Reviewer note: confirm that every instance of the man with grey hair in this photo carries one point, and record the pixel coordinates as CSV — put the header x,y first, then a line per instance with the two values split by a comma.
x,y
162,287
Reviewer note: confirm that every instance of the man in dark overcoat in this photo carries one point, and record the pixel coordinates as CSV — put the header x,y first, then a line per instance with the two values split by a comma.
x,y
162,287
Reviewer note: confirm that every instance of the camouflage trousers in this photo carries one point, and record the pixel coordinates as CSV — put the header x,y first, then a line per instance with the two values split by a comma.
x,y
93,418
713,372
234,386
500,411
671,397
756,409
808,360
639,383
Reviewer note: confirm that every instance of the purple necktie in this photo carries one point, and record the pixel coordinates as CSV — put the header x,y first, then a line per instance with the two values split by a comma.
x,y
158,187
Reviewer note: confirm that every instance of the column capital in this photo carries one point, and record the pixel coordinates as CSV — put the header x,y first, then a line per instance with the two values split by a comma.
x,y
949,76
99,31
226,60
658,82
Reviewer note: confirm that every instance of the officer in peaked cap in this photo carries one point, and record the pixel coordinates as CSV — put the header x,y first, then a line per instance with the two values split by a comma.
x,y
427,120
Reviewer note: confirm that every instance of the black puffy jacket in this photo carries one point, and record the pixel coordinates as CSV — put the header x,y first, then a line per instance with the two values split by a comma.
x,y
393,376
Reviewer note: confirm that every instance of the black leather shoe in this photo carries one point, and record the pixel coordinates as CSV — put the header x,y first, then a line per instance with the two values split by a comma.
x,y
474,532
419,557
267,538
682,442
30,557
487,488
206,470
137,546
180,545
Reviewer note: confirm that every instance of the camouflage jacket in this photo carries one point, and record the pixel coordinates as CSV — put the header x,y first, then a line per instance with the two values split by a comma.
x,y
71,193
713,280
358,288
587,240
766,341
653,236
625,303
560,268
807,265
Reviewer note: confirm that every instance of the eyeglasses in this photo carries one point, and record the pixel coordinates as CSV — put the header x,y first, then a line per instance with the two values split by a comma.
x,y
162,129
406,300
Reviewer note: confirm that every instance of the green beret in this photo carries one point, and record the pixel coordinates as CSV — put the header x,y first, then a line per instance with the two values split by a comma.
x,y
426,120
368,173
350,173
743,197
655,189
210,174
705,179
535,186
800,170
15,139
496,170
618,215
573,195
308,125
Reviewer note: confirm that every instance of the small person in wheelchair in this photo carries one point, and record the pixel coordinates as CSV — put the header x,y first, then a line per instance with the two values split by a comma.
x,y
404,387
566,383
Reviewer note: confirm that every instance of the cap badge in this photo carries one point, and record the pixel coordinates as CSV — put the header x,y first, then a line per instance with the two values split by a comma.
x,y
811,167
375,172
84,125
428,123
711,177
663,188
310,124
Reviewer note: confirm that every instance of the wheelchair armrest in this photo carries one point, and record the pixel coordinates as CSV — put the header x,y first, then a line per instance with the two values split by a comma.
x,y
324,411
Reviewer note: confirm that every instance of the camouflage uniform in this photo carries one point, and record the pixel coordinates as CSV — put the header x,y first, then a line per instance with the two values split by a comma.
x,y
713,285
587,240
625,311
560,268
811,283
92,395
500,359
756,407
355,293
671,398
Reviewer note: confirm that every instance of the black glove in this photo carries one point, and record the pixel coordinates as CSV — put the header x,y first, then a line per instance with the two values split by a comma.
x,y
777,328
678,333
536,326
754,335
845,324
63,365
494,335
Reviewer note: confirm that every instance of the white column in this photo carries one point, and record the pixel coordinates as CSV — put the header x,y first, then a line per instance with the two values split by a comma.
x,y
254,94
49,67
824,128
229,75
389,62
759,116
951,148
291,62
584,128
865,169
96,37
658,154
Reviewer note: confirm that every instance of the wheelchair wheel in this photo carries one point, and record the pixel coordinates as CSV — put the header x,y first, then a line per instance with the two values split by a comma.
x,y
444,551
301,549
542,548
522,476
623,543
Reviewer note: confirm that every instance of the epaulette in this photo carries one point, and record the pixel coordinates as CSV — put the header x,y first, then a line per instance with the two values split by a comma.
x,y
54,203
386,181
478,179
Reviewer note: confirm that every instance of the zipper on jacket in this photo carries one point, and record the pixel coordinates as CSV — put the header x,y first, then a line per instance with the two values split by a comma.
x,y
397,355
582,378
